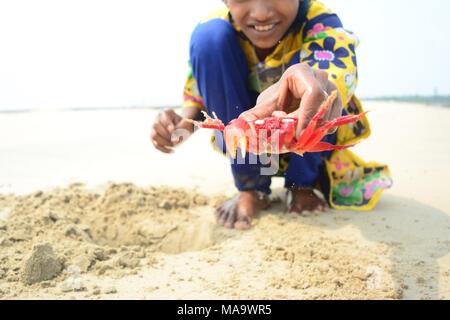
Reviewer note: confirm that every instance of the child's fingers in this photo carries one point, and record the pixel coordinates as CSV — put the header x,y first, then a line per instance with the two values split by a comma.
x,y
166,121
163,149
161,130
279,114
248,116
309,106
169,119
335,110
161,143
308,85
260,111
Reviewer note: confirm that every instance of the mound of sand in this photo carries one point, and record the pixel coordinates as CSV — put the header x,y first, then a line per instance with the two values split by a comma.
x,y
168,237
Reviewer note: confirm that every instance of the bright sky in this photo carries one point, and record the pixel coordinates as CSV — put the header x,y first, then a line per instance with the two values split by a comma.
x,y
99,53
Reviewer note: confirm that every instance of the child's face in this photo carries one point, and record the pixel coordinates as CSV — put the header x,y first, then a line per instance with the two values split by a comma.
x,y
264,22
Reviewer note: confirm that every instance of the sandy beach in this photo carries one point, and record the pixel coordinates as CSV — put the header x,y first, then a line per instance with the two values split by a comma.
x,y
86,194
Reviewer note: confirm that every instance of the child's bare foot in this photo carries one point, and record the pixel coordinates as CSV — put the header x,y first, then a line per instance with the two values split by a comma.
x,y
238,212
300,200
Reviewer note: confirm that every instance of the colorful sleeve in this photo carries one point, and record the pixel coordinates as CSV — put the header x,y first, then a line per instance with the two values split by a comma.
x,y
191,95
328,46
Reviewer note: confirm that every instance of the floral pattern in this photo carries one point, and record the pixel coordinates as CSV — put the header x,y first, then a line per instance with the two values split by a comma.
x,y
374,186
350,83
318,31
352,49
326,54
348,194
359,191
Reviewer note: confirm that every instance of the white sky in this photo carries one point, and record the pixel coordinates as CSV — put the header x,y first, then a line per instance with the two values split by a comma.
x,y
99,53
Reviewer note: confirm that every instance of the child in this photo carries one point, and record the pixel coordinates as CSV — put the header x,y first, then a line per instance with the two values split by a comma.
x,y
280,56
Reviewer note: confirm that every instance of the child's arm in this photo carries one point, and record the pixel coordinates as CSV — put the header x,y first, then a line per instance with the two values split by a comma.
x,y
192,101
327,63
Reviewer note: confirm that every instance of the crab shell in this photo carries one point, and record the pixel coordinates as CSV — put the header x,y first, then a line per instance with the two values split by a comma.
x,y
271,135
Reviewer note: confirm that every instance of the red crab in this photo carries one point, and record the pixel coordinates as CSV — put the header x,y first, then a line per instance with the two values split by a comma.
x,y
277,135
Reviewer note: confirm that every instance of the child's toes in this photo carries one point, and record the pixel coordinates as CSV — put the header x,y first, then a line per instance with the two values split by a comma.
x,y
230,219
220,216
223,218
243,223
218,213
320,208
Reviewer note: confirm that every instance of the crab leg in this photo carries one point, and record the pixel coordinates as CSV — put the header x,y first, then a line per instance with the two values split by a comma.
x,y
235,143
340,121
235,136
209,123
231,145
321,132
325,146
306,135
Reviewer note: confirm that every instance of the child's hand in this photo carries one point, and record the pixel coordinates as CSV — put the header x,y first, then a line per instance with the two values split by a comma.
x,y
169,130
299,93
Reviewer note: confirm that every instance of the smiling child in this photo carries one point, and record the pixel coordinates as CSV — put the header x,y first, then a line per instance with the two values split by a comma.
x,y
243,58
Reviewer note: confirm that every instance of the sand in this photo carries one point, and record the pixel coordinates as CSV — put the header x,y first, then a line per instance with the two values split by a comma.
x,y
90,211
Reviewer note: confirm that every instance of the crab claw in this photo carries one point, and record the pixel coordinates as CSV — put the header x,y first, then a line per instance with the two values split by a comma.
x,y
236,137
235,143
231,147
243,146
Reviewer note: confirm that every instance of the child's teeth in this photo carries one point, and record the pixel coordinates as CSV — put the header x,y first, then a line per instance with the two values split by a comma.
x,y
264,28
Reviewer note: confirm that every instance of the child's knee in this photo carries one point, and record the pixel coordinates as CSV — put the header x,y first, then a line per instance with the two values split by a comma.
x,y
210,38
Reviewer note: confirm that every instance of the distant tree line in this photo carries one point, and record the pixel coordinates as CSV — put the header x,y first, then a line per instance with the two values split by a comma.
x,y
437,100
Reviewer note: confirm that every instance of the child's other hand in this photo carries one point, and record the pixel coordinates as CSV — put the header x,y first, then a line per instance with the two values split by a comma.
x,y
299,93
169,130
